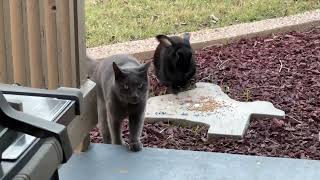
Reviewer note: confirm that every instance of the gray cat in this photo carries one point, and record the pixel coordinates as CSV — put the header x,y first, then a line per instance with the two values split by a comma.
x,y
122,91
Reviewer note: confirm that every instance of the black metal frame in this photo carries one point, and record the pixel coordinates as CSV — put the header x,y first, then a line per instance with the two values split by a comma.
x,y
36,126
7,136
67,94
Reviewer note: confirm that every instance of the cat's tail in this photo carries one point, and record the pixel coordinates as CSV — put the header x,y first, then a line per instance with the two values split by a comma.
x,y
91,65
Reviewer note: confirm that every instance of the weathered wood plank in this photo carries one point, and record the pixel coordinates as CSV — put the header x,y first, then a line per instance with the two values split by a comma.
x,y
34,40
81,39
17,39
7,30
73,44
64,44
3,63
25,42
59,43
51,43
43,42
80,54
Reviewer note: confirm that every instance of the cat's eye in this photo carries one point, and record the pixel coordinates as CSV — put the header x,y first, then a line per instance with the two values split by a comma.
x,y
140,86
125,87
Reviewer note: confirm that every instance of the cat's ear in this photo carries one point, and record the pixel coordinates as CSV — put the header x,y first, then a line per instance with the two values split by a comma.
x,y
165,40
118,74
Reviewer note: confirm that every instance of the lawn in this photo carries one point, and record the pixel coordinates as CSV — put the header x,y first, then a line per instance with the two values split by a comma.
x,y
112,21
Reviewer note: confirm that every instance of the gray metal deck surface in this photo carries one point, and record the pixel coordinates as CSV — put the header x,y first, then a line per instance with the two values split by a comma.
x,y
110,162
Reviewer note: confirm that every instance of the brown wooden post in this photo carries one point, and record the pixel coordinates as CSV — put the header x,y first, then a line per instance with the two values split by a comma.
x,y
33,18
51,43
43,42
73,45
3,64
81,40
7,40
26,41
17,39
80,52
63,24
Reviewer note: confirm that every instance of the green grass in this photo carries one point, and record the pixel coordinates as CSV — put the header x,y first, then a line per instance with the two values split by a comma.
x,y
112,21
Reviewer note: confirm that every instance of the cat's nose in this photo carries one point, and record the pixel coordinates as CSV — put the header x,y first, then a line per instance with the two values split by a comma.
x,y
135,98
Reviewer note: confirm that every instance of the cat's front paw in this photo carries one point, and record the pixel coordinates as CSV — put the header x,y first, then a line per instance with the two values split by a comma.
x,y
136,146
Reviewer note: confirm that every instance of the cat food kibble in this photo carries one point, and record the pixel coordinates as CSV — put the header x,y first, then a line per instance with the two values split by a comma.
x,y
205,104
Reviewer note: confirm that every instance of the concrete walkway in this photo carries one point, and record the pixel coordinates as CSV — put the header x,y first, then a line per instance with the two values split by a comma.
x,y
109,162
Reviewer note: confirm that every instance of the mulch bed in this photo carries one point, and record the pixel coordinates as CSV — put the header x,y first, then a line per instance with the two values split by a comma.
x,y
283,69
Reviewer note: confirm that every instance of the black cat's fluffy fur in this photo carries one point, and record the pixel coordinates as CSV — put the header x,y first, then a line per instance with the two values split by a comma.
x,y
122,91
174,61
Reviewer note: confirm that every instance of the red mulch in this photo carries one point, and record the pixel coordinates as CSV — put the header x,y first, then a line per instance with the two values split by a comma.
x,y
283,69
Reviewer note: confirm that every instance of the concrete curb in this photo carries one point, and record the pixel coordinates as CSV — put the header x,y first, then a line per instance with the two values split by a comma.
x,y
144,49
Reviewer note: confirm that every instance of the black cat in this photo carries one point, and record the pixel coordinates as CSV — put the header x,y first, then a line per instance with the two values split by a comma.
x,y
174,61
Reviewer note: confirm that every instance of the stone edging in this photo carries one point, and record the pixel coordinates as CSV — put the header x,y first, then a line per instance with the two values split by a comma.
x,y
143,49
